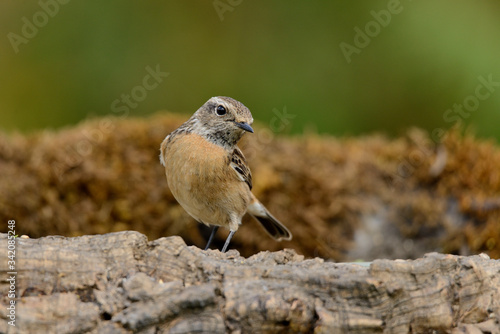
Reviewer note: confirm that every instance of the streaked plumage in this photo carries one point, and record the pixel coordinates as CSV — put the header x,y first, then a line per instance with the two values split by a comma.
x,y
208,174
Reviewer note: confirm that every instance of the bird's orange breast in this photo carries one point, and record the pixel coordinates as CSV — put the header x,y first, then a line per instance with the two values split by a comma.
x,y
201,179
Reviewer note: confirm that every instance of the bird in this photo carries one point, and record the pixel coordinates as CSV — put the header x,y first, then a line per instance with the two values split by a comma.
x,y
208,174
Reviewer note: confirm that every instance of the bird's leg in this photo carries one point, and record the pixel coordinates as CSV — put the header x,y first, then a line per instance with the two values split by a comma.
x,y
227,241
214,230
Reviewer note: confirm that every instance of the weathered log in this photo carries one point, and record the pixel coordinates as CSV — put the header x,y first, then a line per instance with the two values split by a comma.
x,y
121,283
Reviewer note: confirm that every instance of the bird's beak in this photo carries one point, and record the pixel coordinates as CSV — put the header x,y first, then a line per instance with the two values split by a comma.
x,y
244,126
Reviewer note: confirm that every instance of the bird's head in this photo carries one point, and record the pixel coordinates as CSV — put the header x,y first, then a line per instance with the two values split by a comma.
x,y
223,120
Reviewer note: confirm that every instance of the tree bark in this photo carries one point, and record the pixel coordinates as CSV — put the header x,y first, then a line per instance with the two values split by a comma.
x,y
121,283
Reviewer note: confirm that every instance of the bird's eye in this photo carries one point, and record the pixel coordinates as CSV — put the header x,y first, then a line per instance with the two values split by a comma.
x,y
220,110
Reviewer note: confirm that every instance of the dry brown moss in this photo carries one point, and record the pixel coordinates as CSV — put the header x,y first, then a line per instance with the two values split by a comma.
x,y
341,198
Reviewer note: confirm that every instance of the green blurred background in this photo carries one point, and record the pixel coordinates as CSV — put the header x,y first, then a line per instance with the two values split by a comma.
x,y
86,54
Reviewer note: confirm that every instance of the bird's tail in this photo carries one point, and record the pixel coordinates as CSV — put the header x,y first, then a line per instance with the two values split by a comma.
x,y
272,226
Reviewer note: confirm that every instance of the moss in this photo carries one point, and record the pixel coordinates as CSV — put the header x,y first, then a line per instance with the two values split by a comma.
x,y
104,175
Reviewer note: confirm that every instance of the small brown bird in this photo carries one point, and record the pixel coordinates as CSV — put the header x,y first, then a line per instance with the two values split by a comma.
x,y
208,174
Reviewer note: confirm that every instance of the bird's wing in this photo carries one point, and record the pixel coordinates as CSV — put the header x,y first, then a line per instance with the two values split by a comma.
x,y
163,149
239,164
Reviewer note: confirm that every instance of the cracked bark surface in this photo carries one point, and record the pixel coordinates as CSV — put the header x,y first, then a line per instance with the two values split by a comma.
x,y
123,283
